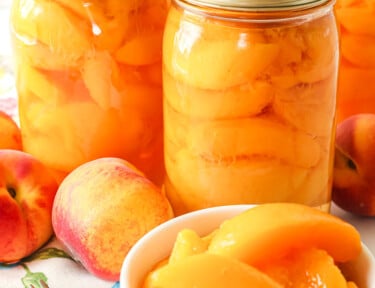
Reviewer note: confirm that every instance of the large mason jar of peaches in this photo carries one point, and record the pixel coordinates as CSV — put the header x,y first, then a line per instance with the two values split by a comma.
x,y
249,102
88,76
356,88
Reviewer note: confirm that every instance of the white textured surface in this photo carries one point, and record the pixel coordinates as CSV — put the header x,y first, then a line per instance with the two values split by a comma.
x,y
365,226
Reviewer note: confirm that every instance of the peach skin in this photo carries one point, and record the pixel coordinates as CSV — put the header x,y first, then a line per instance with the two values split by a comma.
x,y
27,192
354,176
102,208
292,225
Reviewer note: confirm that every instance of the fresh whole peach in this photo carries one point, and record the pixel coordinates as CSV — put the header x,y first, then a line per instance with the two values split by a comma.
x,y
354,169
102,208
10,133
27,191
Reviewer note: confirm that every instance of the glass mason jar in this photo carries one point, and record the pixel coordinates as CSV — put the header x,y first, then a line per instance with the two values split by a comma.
x,y
356,20
88,75
249,102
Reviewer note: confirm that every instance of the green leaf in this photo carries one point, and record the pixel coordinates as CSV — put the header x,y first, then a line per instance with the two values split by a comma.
x,y
34,280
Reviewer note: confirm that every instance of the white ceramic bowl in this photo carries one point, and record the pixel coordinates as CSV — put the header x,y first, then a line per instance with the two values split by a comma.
x,y
157,244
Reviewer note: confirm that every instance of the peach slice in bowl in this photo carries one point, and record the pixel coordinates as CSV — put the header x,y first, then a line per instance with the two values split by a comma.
x,y
274,231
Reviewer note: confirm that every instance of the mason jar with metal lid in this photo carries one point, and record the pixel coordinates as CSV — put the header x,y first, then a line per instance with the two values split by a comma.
x,y
249,102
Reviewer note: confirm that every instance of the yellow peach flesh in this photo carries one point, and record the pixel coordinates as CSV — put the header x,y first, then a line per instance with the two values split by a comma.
x,y
274,243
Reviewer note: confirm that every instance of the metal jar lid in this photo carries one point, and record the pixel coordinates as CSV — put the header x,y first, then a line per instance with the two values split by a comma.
x,y
258,5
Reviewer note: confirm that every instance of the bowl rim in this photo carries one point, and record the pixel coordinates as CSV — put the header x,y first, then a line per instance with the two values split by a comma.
x,y
189,220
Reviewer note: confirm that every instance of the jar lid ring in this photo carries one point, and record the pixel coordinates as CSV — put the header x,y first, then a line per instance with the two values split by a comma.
x,y
259,5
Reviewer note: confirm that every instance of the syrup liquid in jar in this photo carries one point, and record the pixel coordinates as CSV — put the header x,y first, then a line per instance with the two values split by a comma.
x,y
356,88
249,102
88,77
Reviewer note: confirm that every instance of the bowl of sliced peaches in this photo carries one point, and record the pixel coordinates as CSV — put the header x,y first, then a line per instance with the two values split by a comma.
x,y
268,245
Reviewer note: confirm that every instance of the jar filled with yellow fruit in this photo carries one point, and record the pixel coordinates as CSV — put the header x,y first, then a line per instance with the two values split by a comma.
x,y
249,102
88,76
356,89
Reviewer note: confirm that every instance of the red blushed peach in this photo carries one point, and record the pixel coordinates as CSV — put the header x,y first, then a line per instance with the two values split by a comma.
x,y
27,191
102,208
354,169
10,133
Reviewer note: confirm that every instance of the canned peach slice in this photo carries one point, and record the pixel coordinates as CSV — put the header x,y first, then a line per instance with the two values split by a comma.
x,y
145,31
93,11
214,29
317,36
363,77
359,50
315,187
136,50
246,137
107,35
49,143
107,128
142,99
217,65
301,268
201,181
244,100
39,84
306,72
255,244
54,26
292,46
312,62
120,7
110,32
148,75
207,270
358,20
100,10
308,107
365,87
153,73
307,43
153,9
52,87
96,141
39,55
104,21
138,104
100,75
351,284
187,243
